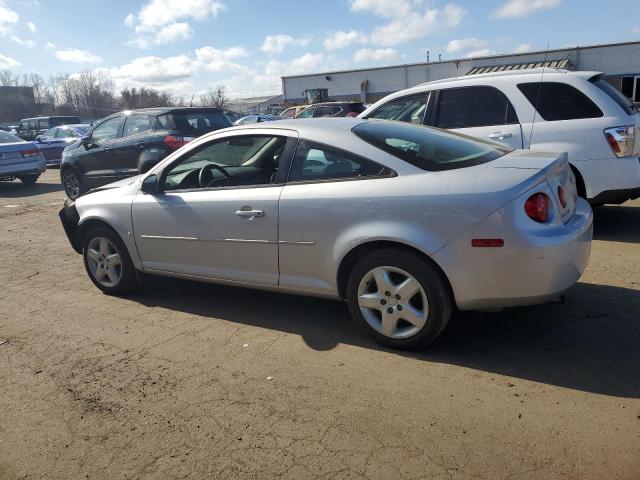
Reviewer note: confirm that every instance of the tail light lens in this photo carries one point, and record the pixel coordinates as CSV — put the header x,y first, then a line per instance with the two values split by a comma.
x,y
537,207
621,140
174,141
29,153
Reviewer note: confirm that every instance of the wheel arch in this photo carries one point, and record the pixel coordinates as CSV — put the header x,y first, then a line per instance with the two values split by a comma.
x,y
580,186
87,225
350,259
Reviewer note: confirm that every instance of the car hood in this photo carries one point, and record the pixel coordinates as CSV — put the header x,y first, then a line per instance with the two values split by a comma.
x,y
119,184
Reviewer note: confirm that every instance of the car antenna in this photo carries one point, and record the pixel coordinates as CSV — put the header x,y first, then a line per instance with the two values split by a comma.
x,y
535,109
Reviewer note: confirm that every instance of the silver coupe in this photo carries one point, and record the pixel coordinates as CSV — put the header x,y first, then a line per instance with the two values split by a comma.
x,y
406,223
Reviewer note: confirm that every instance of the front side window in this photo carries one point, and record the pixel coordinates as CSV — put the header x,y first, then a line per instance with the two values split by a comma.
x,y
427,148
49,134
314,161
410,109
306,113
43,124
33,125
233,161
328,111
107,130
474,107
558,101
135,124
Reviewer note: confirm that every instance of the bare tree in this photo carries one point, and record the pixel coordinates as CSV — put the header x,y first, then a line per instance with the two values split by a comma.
x,y
216,97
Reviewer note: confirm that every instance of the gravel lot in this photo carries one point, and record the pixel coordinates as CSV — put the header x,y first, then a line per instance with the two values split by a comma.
x,y
186,380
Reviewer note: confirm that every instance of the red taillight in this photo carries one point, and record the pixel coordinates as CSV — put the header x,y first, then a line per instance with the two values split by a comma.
x,y
352,114
622,140
487,242
174,141
561,196
537,207
29,153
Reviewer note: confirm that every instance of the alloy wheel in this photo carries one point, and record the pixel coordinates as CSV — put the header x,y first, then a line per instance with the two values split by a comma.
x,y
393,302
71,185
104,262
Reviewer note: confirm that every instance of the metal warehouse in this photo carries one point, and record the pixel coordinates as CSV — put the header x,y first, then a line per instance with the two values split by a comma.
x,y
619,61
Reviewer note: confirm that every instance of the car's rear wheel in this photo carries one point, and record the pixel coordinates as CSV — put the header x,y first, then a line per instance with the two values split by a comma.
x,y
28,179
72,183
399,298
108,263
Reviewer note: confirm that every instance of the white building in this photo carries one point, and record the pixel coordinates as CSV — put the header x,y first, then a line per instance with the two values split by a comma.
x,y
619,61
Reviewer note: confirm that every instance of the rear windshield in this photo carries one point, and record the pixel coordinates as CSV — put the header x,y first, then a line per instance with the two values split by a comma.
x,y
56,121
427,148
194,124
617,96
8,138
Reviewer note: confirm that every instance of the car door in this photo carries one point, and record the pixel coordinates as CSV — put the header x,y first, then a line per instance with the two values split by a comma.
x,y
126,150
95,156
227,227
480,111
47,144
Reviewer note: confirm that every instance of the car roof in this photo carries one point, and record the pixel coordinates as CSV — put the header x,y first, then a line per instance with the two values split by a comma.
x,y
532,72
163,110
350,102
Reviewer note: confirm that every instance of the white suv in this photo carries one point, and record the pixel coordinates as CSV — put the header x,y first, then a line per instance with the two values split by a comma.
x,y
545,109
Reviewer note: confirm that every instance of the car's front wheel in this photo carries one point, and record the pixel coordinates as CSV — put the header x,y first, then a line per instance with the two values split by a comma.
x,y
399,298
108,263
72,183
28,179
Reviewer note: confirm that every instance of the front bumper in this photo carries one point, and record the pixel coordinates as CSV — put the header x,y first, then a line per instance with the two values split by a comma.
x,y
70,219
532,267
31,167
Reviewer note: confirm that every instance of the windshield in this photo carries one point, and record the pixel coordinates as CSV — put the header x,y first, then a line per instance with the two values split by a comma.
x,y
428,148
9,138
194,124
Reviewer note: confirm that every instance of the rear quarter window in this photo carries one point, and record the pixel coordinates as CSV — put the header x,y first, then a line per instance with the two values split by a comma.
x,y
427,148
559,101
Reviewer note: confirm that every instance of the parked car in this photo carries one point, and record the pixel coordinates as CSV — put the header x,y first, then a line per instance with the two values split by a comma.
x,y
403,222
548,109
332,109
257,118
19,159
128,143
52,142
293,111
30,128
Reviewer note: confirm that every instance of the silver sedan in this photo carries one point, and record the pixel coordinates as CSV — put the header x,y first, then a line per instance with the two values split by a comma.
x,y
405,223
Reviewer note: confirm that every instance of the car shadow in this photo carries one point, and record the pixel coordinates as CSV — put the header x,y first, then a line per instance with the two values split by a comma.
x,y
617,223
17,189
589,344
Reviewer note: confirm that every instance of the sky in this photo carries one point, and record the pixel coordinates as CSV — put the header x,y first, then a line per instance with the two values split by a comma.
x,y
187,46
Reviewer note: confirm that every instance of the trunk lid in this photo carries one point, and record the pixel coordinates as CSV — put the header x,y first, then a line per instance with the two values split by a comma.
x,y
12,153
558,173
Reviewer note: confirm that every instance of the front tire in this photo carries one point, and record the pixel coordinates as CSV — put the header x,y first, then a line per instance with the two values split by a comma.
x,y
28,179
399,298
72,183
108,263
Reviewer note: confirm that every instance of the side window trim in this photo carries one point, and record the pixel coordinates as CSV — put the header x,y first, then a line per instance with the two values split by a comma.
x,y
392,173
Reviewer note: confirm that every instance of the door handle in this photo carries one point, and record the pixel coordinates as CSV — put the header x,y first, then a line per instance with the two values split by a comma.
x,y
250,214
500,135
139,145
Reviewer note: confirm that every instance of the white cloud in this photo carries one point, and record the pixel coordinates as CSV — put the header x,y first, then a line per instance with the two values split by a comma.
x,y
50,46
8,62
635,30
523,8
163,73
384,8
483,52
468,43
8,18
523,48
277,43
159,21
416,25
379,55
342,39
25,43
77,55
32,27
216,60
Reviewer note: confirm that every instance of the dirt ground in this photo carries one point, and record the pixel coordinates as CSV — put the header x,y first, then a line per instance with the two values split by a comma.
x,y
187,380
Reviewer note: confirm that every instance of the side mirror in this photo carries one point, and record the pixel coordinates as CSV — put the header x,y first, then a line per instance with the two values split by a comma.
x,y
86,141
39,139
150,185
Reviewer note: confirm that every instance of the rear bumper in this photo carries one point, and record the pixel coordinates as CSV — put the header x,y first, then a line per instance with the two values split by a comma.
x,y
532,267
31,167
69,218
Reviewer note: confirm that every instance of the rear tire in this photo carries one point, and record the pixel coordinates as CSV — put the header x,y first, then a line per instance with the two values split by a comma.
x,y
108,263
28,179
410,308
72,183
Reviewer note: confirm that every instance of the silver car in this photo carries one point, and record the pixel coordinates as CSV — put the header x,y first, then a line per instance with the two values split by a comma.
x,y
403,222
